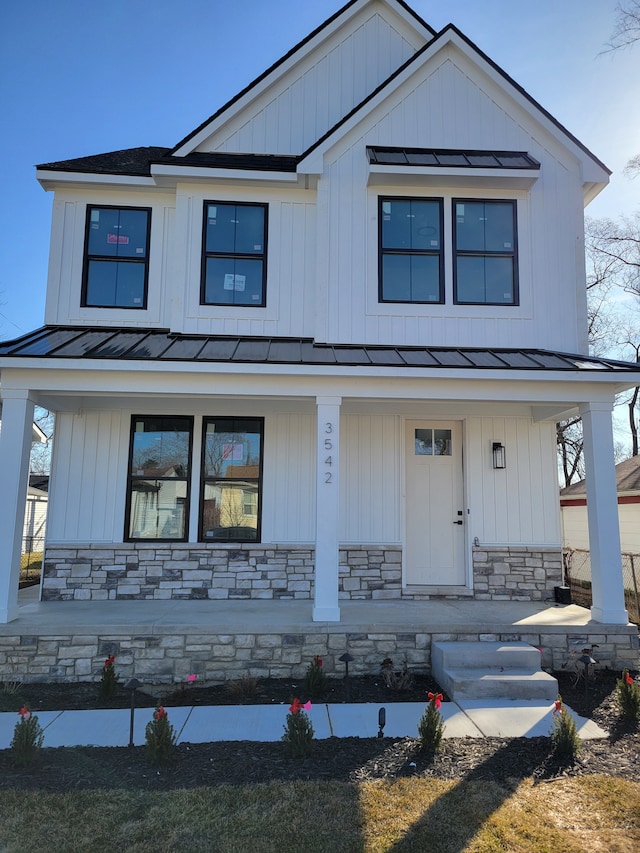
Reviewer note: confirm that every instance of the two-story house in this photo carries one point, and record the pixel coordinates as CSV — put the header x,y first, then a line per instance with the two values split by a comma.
x,y
316,351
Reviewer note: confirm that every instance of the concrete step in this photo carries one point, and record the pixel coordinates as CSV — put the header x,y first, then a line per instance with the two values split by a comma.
x,y
512,683
472,655
491,670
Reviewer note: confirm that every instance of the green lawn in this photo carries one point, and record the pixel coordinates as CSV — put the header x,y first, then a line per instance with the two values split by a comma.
x,y
564,816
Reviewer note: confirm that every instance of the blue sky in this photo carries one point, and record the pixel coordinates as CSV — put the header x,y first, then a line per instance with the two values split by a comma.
x,y
79,79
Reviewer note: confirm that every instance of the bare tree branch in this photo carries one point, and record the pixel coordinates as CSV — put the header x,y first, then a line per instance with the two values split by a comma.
x,y
626,30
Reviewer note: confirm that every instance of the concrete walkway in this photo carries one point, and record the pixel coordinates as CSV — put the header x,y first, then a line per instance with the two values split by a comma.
x,y
466,718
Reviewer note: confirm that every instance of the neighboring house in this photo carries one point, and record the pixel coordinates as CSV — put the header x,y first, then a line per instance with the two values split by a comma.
x,y
35,517
317,349
573,504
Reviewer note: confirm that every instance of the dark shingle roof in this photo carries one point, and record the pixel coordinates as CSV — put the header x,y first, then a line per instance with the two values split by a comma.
x,y
128,161
627,479
138,161
107,342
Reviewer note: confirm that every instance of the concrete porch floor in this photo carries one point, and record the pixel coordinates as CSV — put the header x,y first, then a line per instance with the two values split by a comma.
x,y
286,616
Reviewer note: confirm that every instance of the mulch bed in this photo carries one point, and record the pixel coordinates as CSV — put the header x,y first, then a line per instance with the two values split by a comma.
x,y
506,761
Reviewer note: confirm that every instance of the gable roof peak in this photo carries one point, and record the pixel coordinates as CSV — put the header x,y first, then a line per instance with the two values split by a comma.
x,y
398,8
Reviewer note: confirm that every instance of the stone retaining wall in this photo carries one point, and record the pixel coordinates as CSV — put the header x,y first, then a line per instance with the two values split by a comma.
x,y
167,658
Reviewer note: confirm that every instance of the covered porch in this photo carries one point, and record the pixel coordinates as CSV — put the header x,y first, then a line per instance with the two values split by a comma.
x,y
165,641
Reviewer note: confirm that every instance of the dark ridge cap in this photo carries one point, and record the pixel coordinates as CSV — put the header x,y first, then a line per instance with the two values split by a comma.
x,y
126,161
283,59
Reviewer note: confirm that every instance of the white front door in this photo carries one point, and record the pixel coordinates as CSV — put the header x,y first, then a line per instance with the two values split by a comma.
x,y
434,510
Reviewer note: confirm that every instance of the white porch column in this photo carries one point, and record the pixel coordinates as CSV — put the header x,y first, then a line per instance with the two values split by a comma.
x,y
602,512
327,510
15,446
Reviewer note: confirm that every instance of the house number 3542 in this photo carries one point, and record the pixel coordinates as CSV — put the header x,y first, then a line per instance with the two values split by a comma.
x,y
328,447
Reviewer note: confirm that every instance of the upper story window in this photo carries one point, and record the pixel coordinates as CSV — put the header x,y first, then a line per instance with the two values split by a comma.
x,y
158,482
485,267
411,259
234,262
116,257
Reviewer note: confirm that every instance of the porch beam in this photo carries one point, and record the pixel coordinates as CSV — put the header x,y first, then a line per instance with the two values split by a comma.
x,y
15,446
327,557
602,513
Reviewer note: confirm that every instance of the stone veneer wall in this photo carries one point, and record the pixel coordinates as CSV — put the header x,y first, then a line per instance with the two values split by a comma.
x,y
185,571
512,573
170,657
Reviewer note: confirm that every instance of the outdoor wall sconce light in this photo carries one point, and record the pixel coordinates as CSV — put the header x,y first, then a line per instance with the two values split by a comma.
x,y
499,458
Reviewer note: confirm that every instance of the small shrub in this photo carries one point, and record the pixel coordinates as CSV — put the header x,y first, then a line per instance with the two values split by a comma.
x,y
628,696
27,738
399,681
243,688
431,727
316,681
160,737
564,735
298,731
108,679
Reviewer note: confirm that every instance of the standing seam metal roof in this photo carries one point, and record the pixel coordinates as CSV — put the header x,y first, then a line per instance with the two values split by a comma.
x,y
145,345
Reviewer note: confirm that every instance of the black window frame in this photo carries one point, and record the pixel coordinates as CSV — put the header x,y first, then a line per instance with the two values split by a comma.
x,y
439,253
213,479
234,255
131,478
513,253
88,257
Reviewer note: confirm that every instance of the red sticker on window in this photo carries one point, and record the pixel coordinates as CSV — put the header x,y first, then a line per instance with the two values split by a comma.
x,y
117,238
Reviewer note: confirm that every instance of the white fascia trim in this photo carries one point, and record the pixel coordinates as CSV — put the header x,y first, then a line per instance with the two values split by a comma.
x,y
38,436
50,180
446,176
165,174
604,383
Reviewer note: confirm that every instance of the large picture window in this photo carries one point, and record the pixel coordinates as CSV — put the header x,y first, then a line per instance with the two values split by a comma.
x,y
158,482
116,257
231,479
485,252
234,264
411,259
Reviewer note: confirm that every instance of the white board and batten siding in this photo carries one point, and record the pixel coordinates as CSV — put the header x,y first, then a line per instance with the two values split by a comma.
x,y
64,285
321,88
87,493
291,258
87,499
517,504
448,109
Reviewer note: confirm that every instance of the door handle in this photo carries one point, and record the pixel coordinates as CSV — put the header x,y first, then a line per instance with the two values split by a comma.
x,y
460,521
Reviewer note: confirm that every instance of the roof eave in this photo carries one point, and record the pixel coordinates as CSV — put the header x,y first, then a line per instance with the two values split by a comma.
x,y
51,179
